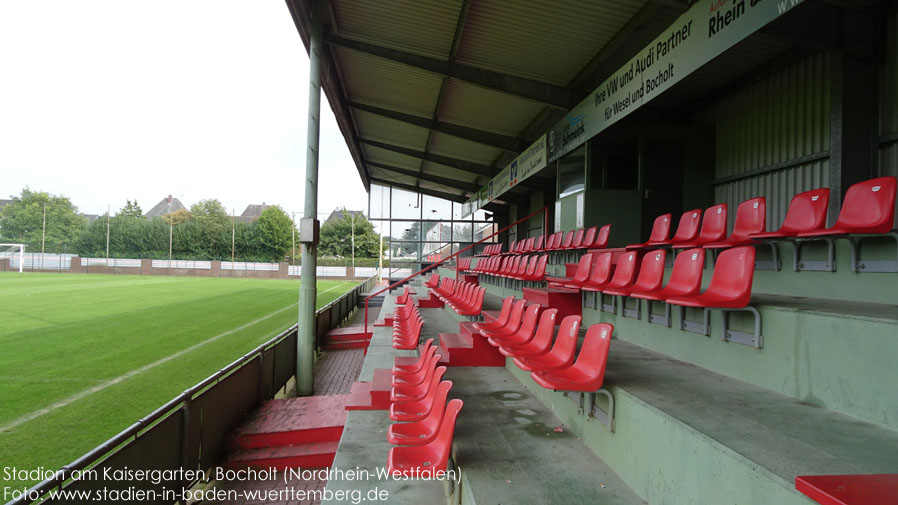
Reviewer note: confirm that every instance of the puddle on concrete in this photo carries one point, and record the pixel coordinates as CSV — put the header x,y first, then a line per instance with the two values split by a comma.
x,y
507,395
526,412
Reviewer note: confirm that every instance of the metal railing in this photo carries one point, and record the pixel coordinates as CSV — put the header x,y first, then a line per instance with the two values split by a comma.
x,y
544,211
188,432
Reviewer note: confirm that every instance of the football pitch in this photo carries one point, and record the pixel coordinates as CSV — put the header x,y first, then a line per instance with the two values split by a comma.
x,y
82,357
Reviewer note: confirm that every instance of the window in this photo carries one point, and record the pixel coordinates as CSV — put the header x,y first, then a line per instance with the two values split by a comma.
x,y
571,172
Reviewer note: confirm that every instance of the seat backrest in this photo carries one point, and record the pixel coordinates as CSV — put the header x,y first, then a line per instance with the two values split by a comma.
x,y
751,217
660,229
688,227
528,324
517,312
556,237
807,211
589,236
869,206
601,271
578,239
566,340
686,277
531,266
546,327
593,355
540,270
625,271
583,267
602,237
538,243
714,224
439,448
506,311
733,273
568,239
651,272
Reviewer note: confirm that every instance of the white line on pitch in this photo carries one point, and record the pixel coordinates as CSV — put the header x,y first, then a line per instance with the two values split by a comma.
x,y
121,378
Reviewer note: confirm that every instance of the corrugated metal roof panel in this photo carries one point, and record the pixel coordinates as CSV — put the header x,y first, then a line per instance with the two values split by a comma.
x,y
390,176
439,187
388,84
425,27
452,173
485,109
447,145
391,131
379,155
544,41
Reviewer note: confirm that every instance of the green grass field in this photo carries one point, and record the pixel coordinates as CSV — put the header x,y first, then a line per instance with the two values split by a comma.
x,y
84,356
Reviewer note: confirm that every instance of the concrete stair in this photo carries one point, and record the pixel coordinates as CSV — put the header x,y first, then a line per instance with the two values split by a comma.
x,y
348,337
289,433
468,348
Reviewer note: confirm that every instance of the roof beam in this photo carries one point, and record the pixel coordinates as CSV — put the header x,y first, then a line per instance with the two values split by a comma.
x,y
555,96
445,181
464,132
467,166
423,191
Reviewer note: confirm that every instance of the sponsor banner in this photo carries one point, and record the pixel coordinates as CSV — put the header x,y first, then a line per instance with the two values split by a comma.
x,y
529,162
699,35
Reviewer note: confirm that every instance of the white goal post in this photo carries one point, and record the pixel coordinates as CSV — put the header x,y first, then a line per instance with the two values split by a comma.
x,y
21,248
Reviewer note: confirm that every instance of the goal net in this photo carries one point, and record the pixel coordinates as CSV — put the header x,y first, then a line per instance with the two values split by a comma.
x,y
15,254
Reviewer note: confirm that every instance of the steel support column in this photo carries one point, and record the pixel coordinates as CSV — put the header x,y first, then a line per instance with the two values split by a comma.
x,y
305,342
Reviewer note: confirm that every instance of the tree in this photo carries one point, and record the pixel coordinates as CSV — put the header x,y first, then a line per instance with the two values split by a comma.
x,y
177,217
275,231
336,237
131,209
210,212
22,220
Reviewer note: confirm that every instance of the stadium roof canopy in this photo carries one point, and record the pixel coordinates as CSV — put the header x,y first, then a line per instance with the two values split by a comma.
x,y
438,96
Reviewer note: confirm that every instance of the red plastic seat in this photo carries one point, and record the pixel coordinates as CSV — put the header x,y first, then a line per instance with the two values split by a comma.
x,y
624,273
714,228
731,282
600,274
807,212
751,218
685,279
589,237
434,280
524,332
583,268
419,391
588,372
418,432
418,377
529,271
417,409
427,350
651,275
577,241
660,232
567,241
868,208
687,229
601,241
541,341
501,320
539,273
554,241
425,460
538,243
513,323
562,353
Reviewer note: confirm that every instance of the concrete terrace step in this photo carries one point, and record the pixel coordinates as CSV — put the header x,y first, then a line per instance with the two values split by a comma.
x,y
292,421
309,455
677,423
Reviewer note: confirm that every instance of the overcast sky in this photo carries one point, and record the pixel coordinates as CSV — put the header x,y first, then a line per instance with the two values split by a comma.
x,y
104,101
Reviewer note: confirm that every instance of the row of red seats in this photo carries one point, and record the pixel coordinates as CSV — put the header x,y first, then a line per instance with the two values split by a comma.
x,y
868,208
462,264
515,268
407,324
404,297
465,298
517,335
491,250
583,238
425,421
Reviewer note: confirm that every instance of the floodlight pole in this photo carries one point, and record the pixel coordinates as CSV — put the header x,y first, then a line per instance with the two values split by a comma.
x,y
108,208
233,233
352,228
171,224
43,233
308,288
